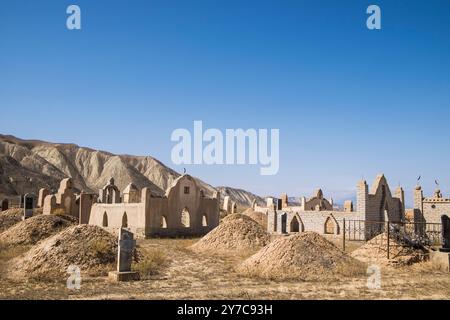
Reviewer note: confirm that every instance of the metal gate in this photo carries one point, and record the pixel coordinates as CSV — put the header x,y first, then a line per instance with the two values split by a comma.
x,y
414,234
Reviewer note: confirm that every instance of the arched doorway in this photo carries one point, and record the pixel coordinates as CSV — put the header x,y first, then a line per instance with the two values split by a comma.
x,y
105,220
295,225
204,221
163,222
5,205
185,218
330,226
283,222
125,220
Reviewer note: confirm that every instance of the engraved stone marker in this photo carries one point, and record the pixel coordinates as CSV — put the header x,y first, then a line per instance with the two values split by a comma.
x,y
125,257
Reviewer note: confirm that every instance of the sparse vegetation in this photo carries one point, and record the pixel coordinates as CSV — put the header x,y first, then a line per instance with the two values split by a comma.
x,y
100,247
151,264
216,278
352,268
8,252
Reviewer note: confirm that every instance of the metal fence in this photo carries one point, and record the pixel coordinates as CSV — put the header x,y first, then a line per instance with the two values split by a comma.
x,y
382,234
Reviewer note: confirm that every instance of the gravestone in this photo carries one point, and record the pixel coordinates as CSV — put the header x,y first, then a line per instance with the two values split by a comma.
x,y
28,200
5,204
445,234
42,194
125,252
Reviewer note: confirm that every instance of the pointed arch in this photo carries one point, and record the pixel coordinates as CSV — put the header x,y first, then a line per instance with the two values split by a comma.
x,y
5,205
296,224
283,222
185,218
331,226
204,220
105,220
124,220
163,222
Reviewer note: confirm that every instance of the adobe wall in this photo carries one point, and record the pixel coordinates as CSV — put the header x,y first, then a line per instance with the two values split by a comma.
x,y
172,206
311,220
433,209
379,204
135,216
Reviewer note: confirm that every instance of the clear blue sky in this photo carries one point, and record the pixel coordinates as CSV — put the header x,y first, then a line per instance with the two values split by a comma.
x,y
349,102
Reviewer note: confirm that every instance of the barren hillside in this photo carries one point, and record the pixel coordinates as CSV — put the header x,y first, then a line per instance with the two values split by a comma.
x,y
27,165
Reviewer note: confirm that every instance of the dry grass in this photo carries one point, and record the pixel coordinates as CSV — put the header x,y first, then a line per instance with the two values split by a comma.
x,y
100,247
151,264
194,276
8,252
352,268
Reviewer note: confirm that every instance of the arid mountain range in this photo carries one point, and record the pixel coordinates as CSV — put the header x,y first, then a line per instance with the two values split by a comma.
x,y
28,165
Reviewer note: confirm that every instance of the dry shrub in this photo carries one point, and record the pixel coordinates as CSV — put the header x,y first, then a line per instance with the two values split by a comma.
x,y
151,263
100,247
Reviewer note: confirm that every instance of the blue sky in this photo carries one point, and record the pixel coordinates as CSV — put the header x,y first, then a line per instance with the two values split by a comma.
x,y
349,102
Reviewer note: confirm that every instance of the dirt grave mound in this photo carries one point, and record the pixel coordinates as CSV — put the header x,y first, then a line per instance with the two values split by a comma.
x,y
10,217
375,251
90,248
305,256
237,234
34,229
259,217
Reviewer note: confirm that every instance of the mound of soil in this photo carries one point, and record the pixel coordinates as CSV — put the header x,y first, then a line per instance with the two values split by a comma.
x,y
259,217
34,229
90,248
10,217
304,256
375,252
237,234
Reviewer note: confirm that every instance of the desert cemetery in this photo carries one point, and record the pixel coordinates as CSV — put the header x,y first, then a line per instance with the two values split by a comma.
x,y
190,244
